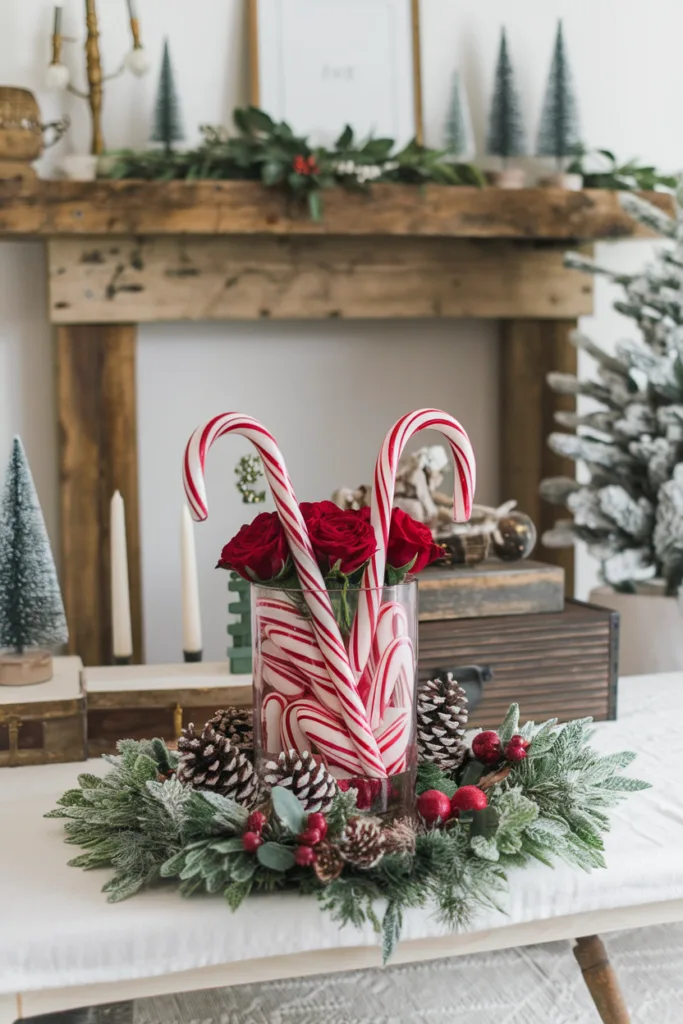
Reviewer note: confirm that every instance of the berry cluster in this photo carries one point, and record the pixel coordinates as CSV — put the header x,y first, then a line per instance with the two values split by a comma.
x,y
305,165
367,789
488,749
304,854
435,807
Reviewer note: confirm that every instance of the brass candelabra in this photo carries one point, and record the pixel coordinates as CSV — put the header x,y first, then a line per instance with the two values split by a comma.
x,y
58,76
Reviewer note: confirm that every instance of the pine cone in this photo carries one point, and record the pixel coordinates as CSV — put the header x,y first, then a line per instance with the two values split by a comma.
x,y
441,723
309,781
362,843
329,863
237,725
210,761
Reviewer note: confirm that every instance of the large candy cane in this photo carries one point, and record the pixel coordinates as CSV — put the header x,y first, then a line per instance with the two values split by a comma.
x,y
315,593
364,624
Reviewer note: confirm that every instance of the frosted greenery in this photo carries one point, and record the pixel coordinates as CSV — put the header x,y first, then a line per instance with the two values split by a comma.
x,y
140,821
630,511
558,134
505,136
31,608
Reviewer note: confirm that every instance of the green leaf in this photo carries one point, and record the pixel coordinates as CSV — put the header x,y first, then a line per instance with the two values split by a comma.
x,y
243,867
485,848
258,120
510,724
472,773
315,205
485,822
237,892
273,172
288,810
345,139
276,856
391,929
228,845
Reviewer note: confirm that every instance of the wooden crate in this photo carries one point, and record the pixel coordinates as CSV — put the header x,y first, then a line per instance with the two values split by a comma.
x,y
141,701
490,588
563,664
44,723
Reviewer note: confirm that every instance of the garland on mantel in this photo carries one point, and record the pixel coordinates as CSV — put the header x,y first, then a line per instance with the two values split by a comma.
x,y
269,151
539,793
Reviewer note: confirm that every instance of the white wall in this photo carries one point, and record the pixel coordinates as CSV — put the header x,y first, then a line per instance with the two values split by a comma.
x,y
327,390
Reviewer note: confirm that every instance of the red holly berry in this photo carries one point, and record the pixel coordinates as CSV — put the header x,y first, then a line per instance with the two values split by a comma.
x,y
305,856
317,820
516,749
486,747
434,806
251,841
468,798
367,789
311,837
256,822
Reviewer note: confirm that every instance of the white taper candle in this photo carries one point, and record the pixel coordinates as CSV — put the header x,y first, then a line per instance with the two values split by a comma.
x,y
120,593
192,626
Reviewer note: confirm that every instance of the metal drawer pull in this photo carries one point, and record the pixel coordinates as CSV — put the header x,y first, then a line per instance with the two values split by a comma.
x,y
471,678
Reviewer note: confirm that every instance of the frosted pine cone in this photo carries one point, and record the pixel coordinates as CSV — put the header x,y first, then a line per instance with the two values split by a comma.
x,y
441,723
209,761
309,781
329,863
362,843
237,725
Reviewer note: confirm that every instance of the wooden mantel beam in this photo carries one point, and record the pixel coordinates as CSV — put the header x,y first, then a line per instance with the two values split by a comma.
x,y
247,208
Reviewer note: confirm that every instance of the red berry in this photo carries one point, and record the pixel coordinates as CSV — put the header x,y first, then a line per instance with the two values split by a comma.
x,y
317,820
251,841
486,747
304,856
311,837
256,821
516,749
434,806
468,798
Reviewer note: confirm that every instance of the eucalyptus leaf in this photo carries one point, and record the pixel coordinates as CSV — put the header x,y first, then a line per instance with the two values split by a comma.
x,y
276,856
288,810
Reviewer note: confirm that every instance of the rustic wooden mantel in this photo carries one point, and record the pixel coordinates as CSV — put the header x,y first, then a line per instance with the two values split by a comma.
x,y
123,253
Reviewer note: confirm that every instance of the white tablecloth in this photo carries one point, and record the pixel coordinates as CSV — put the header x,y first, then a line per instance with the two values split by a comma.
x,y
58,930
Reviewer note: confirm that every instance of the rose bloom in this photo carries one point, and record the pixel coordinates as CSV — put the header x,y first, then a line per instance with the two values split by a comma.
x,y
259,551
408,540
338,535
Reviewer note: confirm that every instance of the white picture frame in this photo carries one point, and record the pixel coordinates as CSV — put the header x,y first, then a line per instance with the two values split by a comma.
x,y
323,64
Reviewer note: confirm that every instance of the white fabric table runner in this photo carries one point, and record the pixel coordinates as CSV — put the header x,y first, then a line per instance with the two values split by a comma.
x,y
58,930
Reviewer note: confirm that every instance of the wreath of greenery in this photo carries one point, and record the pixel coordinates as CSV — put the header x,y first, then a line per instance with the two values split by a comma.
x,y
141,821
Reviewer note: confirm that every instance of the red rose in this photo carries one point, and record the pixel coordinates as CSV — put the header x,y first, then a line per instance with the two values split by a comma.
x,y
410,542
338,535
259,551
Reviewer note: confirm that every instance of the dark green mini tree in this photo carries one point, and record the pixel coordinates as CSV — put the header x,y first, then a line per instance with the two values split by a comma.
x,y
459,140
167,121
506,136
31,608
558,134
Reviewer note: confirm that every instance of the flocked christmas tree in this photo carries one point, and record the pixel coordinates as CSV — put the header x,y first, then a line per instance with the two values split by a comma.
x,y
31,608
506,128
558,134
630,512
167,122
459,137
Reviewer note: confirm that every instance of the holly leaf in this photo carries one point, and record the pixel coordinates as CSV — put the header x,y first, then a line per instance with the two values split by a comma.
x,y
272,172
288,810
345,139
510,724
471,774
276,856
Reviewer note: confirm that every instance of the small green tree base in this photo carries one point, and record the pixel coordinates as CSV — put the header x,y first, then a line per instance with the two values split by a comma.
x,y
239,653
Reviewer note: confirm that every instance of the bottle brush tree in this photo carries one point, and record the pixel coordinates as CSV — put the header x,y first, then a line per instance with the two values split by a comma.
x,y
31,607
630,510
459,137
558,134
506,126
167,126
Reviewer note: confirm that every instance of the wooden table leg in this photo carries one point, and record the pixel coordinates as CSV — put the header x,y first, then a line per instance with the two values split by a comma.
x,y
530,349
97,455
601,980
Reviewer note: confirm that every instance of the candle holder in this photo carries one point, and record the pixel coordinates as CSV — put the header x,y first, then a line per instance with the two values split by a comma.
x,y
58,76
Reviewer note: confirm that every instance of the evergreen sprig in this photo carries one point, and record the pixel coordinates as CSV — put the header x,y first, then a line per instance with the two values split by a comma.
x,y
139,820
271,152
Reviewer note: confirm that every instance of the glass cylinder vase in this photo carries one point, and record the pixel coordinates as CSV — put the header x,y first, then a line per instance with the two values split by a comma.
x,y
296,702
